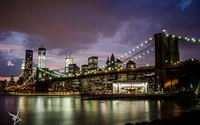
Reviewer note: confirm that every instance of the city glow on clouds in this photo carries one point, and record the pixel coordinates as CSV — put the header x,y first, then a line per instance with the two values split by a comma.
x,y
90,28
9,63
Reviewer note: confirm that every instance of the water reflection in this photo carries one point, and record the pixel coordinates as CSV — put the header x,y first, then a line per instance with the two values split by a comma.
x,y
70,110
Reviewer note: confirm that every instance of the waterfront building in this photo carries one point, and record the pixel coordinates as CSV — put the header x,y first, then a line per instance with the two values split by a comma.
x,y
68,60
41,57
28,64
92,63
130,87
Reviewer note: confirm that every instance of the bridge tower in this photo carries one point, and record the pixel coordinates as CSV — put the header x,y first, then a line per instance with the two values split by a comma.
x,y
166,54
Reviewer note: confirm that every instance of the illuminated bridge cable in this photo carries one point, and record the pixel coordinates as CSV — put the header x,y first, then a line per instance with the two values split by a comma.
x,y
145,53
136,48
55,74
52,74
133,50
59,73
29,77
142,51
185,38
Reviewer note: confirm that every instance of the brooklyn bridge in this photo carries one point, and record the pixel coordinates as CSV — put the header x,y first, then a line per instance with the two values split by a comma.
x,y
145,79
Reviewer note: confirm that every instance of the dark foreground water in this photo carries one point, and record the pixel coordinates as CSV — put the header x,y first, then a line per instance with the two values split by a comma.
x,y
70,110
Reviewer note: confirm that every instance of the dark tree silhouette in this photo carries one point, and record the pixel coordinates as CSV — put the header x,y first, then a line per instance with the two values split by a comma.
x,y
189,74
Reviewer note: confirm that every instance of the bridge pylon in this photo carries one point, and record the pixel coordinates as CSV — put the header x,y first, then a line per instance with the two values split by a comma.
x,y
166,54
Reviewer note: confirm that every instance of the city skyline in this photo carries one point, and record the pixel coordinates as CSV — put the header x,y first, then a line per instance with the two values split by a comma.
x,y
90,28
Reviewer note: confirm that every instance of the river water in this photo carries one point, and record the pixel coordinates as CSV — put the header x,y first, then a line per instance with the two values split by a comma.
x,y
71,110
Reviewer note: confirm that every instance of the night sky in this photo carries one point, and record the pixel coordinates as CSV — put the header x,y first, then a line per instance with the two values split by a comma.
x,y
85,28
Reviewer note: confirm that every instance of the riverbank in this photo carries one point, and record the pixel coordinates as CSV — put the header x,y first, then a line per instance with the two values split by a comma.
x,y
128,96
189,118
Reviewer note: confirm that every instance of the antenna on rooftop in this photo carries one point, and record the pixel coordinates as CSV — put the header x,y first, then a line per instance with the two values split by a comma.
x,y
70,53
164,31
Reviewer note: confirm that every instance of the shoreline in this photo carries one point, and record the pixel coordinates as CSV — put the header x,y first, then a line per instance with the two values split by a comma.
x,y
189,118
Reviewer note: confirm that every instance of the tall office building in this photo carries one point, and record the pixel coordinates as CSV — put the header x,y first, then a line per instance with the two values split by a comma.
x,y
92,63
22,69
41,57
68,60
28,64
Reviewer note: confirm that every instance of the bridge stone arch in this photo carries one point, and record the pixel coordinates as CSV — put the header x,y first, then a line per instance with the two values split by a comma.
x,y
166,54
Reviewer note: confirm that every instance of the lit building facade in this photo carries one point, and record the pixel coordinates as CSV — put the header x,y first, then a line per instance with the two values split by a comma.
x,y
28,64
22,69
41,57
12,81
92,63
69,60
73,68
130,64
113,64
84,68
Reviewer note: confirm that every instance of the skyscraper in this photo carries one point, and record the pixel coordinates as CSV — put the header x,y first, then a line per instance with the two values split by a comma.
x,y
28,64
41,57
68,60
22,69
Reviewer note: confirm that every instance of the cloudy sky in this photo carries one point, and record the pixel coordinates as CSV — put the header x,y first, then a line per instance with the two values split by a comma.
x,y
85,28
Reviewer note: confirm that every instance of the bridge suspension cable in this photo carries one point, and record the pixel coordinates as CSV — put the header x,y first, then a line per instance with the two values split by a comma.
x,y
141,53
132,51
56,74
185,38
31,76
